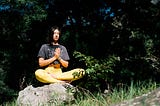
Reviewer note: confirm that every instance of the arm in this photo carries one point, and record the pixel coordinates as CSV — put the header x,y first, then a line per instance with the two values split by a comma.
x,y
64,63
43,62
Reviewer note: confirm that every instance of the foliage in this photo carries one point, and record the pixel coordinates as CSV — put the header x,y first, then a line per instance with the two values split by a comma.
x,y
6,93
97,70
104,31
125,92
16,19
138,61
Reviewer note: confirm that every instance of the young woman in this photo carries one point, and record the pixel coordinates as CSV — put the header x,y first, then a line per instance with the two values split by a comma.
x,y
52,58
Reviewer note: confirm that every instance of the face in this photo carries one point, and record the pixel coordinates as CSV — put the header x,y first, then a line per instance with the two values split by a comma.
x,y
56,35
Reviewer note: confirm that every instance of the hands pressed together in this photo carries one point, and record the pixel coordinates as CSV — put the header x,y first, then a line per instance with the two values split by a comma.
x,y
57,53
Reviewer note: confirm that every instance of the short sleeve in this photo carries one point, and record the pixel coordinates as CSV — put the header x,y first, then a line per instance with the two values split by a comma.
x,y
64,53
41,52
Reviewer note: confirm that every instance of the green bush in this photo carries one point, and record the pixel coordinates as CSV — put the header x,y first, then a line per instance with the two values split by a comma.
x,y
97,71
5,92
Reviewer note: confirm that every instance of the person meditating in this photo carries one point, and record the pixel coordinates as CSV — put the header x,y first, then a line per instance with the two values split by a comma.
x,y
52,57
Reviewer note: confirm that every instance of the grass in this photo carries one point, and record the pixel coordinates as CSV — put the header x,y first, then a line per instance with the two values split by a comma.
x,y
117,95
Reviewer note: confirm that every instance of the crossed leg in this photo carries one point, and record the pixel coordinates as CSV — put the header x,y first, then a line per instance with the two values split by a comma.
x,y
52,75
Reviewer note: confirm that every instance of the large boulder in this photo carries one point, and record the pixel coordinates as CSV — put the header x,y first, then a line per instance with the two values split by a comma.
x,y
52,95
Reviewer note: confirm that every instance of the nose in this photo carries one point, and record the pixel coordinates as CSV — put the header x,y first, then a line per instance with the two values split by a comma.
x,y
56,35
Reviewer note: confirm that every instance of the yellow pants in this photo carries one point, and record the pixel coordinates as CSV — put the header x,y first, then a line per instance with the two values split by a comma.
x,y
45,75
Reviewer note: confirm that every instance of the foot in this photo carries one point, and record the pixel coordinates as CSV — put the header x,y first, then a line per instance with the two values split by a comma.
x,y
53,76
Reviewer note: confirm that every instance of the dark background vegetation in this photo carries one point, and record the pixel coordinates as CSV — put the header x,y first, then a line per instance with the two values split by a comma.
x,y
115,41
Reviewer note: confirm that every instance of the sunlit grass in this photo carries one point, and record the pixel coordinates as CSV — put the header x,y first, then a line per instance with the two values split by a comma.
x,y
118,94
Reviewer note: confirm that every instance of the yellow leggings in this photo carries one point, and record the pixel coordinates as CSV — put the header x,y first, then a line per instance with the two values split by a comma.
x,y
44,75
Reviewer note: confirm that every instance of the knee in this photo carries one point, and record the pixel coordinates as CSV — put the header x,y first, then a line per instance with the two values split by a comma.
x,y
38,72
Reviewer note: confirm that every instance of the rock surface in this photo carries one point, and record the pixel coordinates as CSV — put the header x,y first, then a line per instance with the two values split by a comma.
x,y
149,99
52,95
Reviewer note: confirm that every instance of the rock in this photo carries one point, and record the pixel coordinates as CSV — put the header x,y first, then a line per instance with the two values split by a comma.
x,y
150,99
52,94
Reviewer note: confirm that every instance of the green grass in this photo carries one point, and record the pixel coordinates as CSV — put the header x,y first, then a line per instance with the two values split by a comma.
x,y
117,95
129,92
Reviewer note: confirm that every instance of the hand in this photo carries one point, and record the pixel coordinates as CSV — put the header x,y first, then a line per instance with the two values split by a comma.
x,y
57,53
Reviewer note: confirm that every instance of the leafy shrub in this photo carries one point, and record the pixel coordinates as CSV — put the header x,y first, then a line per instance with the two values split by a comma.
x,y
5,92
97,71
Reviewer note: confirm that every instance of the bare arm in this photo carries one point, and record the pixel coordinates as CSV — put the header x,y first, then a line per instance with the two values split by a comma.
x,y
64,63
43,62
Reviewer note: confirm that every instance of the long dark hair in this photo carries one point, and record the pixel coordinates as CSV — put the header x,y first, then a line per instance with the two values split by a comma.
x,y
51,32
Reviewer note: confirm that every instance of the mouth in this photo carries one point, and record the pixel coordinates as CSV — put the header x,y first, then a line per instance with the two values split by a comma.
x,y
56,37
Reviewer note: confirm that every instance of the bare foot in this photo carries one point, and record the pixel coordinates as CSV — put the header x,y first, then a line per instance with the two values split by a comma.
x,y
53,76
